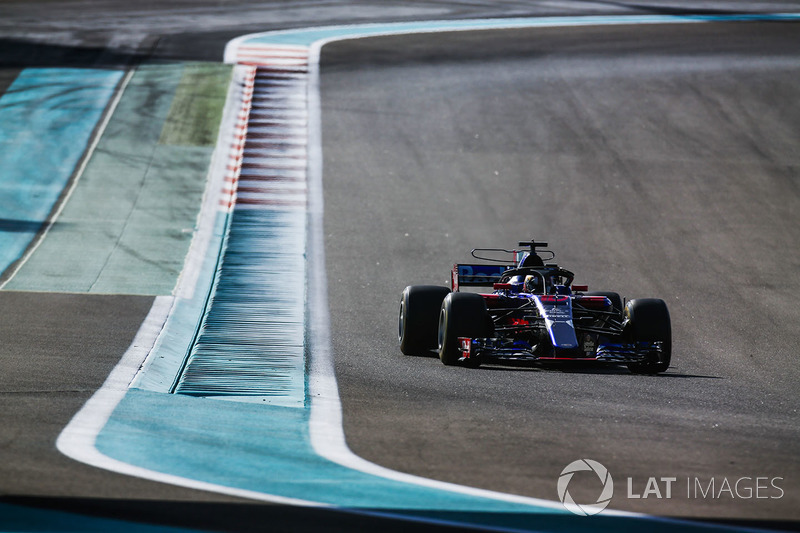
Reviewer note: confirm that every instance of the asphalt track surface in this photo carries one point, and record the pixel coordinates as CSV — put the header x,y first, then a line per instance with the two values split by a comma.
x,y
657,161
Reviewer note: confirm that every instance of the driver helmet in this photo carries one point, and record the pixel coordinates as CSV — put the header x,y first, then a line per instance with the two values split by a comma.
x,y
532,284
517,284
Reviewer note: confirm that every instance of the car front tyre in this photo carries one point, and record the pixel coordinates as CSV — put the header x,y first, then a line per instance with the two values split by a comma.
x,y
648,321
463,314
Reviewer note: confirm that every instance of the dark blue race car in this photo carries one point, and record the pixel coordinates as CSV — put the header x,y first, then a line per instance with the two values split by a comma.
x,y
534,313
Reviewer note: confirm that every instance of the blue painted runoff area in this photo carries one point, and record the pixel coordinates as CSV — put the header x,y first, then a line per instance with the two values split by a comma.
x,y
47,117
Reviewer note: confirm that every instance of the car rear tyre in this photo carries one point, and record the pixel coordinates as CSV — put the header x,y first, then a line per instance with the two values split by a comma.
x,y
648,321
463,314
418,326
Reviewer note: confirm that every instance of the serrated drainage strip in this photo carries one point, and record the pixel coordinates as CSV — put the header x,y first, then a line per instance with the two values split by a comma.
x,y
250,345
251,341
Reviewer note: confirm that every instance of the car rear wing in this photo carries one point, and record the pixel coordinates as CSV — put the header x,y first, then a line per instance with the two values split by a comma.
x,y
476,275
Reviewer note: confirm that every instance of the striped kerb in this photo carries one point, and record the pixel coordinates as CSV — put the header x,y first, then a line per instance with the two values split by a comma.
x,y
250,345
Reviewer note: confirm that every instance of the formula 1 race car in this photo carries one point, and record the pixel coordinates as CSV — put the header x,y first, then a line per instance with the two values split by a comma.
x,y
534,313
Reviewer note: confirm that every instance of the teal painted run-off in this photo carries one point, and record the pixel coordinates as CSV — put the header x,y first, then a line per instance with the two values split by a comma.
x,y
130,217
47,116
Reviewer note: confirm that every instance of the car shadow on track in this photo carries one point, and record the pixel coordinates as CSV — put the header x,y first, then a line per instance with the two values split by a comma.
x,y
585,368
577,367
